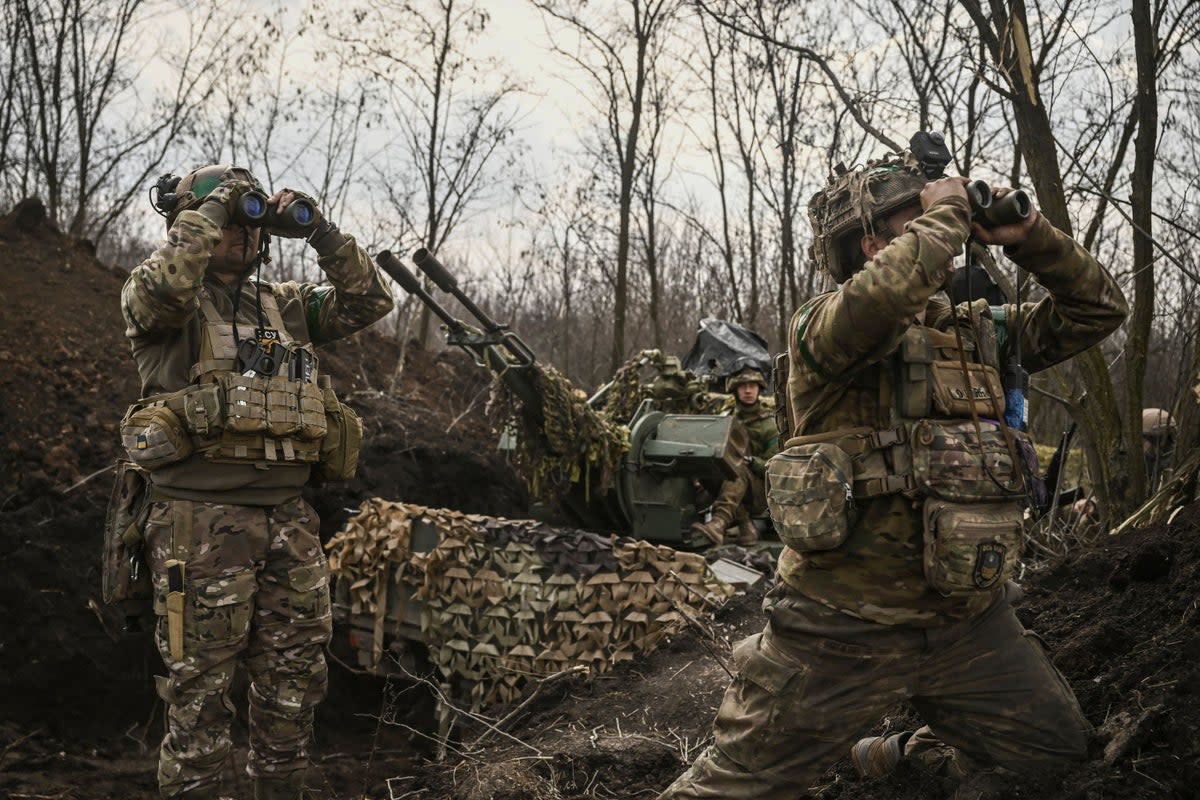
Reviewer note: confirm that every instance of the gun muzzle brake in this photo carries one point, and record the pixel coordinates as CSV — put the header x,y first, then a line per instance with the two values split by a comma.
x,y
428,263
393,266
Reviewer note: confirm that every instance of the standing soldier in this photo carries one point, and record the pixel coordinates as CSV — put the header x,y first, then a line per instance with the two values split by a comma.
x,y
234,419
900,502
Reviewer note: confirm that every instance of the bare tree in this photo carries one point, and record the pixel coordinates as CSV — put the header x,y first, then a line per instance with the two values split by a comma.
x,y
452,119
90,137
617,53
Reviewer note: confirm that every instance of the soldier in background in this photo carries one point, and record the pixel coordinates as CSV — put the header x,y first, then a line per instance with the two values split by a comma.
x,y
745,497
1158,446
893,585
234,420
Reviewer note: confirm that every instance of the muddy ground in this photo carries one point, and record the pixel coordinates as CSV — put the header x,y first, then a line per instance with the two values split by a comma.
x,y
78,717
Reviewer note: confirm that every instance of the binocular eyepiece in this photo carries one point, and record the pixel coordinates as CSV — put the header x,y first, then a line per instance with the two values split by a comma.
x,y
254,211
992,212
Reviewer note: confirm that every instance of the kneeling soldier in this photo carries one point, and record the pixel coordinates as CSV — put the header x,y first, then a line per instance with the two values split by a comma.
x,y
900,502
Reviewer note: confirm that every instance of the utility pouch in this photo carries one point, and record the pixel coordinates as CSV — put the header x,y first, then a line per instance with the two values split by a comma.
x,y
201,406
312,413
971,547
954,463
343,439
953,397
245,403
283,406
810,494
154,436
124,577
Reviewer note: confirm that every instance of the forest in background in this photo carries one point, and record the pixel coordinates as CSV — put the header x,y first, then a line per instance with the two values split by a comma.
x,y
604,175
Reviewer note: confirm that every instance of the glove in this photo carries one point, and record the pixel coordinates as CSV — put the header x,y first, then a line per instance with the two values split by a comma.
x,y
287,197
219,204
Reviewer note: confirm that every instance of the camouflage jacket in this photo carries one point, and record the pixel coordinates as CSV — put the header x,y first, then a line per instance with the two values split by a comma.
x,y
160,302
845,338
759,420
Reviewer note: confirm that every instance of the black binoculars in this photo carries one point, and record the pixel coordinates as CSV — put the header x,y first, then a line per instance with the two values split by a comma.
x,y
992,212
254,211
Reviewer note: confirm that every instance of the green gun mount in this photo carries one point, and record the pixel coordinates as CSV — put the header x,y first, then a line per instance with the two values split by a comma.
x,y
655,494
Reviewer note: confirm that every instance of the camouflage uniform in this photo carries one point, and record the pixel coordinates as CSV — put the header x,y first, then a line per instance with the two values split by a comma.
x,y
256,580
855,629
743,497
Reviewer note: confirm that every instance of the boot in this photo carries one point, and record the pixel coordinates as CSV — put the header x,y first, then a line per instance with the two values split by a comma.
x,y
876,756
747,532
714,529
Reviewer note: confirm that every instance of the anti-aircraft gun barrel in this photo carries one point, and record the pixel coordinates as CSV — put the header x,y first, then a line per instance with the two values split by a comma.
x,y
496,347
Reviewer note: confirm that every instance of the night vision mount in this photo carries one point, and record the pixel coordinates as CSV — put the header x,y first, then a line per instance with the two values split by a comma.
x,y
930,150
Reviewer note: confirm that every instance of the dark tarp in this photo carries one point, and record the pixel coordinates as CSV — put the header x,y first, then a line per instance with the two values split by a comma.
x,y
723,348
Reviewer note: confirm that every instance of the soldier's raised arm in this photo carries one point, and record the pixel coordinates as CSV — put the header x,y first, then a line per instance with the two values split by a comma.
x,y
356,295
1085,304
162,292
840,332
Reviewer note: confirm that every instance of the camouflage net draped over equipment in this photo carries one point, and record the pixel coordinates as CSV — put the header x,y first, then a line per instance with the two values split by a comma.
x,y
674,389
504,601
573,441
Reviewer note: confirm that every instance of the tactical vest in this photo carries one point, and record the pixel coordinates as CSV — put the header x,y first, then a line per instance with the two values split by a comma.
x,y
924,422
243,417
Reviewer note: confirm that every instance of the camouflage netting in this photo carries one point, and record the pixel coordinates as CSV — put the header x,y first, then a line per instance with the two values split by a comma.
x,y
674,389
575,443
504,601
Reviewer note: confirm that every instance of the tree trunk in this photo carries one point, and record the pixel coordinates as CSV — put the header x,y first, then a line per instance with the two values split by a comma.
x,y
1007,40
1145,41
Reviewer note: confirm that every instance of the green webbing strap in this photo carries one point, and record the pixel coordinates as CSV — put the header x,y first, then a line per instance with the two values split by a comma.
x,y
1000,318
802,346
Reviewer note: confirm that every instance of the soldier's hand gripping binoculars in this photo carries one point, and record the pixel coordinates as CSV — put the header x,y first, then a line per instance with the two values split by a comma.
x,y
254,211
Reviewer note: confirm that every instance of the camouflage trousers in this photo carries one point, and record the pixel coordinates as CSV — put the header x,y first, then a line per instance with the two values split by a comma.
x,y
815,680
741,497
256,591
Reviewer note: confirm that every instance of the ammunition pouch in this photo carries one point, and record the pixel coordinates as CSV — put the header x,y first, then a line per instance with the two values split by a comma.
x,y
124,577
932,382
342,441
231,418
953,462
811,496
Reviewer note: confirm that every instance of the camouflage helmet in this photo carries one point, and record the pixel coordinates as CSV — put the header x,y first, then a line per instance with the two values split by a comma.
x,y
1157,424
196,185
744,377
850,205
